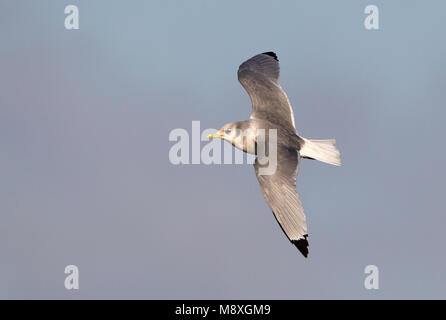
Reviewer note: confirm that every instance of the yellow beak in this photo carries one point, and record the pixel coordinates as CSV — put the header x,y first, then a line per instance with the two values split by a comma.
x,y
214,135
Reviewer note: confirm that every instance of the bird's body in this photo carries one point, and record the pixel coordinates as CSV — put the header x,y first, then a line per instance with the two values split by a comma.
x,y
251,129
272,121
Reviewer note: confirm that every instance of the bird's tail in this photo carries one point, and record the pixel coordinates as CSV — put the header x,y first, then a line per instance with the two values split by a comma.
x,y
322,150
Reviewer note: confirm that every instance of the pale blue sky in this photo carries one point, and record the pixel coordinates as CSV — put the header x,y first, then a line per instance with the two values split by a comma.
x,y
85,117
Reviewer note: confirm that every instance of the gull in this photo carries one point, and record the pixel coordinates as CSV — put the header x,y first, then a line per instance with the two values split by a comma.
x,y
271,110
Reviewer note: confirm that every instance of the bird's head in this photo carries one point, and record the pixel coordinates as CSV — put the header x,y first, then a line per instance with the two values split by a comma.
x,y
239,134
228,132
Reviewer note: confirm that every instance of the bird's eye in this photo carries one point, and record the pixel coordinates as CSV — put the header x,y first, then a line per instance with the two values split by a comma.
x,y
228,131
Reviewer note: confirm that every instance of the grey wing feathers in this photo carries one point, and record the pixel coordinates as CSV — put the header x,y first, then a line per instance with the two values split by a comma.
x,y
259,76
263,64
279,191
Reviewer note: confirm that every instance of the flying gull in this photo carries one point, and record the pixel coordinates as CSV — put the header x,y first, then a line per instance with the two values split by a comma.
x,y
271,109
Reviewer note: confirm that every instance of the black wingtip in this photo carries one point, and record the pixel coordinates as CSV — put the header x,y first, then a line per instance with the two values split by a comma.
x,y
271,54
302,245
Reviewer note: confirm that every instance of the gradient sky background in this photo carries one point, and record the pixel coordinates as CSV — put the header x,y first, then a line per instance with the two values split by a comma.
x,y
85,117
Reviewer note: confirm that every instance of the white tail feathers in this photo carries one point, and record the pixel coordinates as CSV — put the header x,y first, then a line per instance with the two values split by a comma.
x,y
322,150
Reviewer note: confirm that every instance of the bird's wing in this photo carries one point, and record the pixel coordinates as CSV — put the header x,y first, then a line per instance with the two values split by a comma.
x,y
279,191
259,76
